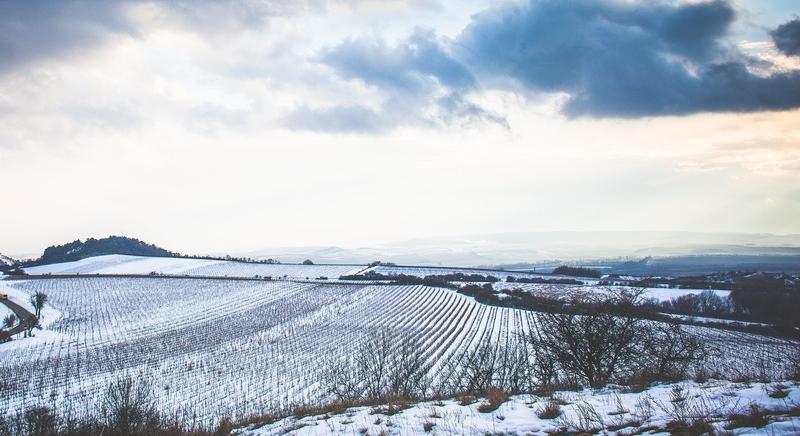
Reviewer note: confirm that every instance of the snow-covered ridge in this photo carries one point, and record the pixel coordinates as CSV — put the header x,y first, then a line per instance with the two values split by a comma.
x,y
6,261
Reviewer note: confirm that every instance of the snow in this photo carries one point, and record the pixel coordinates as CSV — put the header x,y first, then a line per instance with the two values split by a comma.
x,y
564,291
714,320
49,313
236,347
124,264
4,260
652,407
666,294
121,264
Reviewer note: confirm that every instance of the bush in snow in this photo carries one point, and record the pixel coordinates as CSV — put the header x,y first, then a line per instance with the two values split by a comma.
x,y
610,341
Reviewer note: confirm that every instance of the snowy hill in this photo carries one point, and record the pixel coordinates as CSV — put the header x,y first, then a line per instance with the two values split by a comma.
x,y
77,250
138,265
6,261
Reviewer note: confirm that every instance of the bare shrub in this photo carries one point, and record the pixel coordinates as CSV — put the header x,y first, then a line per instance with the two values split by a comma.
x,y
589,419
593,346
373,361
777,391
495,397
342,379
607,338
668,350
551,410
384,366
513,374
39,421
128,407
755,417
408,373
479,369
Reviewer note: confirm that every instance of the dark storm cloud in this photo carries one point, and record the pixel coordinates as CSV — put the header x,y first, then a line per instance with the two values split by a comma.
x,y
787,37
37,29
613,59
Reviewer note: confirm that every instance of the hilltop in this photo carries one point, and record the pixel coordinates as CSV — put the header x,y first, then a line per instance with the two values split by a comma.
x,y
77,250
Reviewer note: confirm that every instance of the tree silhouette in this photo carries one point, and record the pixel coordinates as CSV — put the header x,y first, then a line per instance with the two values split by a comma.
x,y
38,301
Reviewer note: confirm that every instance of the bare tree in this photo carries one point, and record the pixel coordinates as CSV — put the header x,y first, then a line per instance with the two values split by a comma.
x,y
128,407
593,346
668,350
9,321
408,375
38,301
40,421
609,338
385,365
342,379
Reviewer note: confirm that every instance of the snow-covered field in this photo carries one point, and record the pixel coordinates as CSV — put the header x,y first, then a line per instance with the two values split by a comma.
x,y
614,411
122,264
232,348
138,265
566,291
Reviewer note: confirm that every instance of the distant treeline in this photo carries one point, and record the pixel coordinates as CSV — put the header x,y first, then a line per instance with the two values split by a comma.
x,y
705,304
576,271
442,281
769,298
512,279
699,282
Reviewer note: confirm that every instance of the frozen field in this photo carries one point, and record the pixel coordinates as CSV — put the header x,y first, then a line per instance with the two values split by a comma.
x,y
122,264
218,348
566,291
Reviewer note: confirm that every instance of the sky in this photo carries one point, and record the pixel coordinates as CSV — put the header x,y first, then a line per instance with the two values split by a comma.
x,y
208,126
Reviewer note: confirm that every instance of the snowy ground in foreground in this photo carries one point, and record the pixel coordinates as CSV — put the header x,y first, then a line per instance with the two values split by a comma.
x,y
655,407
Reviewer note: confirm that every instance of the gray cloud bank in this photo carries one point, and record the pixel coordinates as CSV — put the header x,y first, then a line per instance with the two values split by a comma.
x,y
40,29
613,59
787,37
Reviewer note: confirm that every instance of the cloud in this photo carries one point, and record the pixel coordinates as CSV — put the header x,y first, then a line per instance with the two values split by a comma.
x,y
787,37
420,80
611,58
33,30
414,66
338,119
37,29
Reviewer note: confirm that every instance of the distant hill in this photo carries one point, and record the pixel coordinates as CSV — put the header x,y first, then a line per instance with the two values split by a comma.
x,y
77,250
6,263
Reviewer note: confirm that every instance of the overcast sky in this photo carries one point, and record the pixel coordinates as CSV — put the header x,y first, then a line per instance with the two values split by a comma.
x,y
229,126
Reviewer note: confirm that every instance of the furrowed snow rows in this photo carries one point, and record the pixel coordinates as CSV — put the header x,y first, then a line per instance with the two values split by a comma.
x,y
215,348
